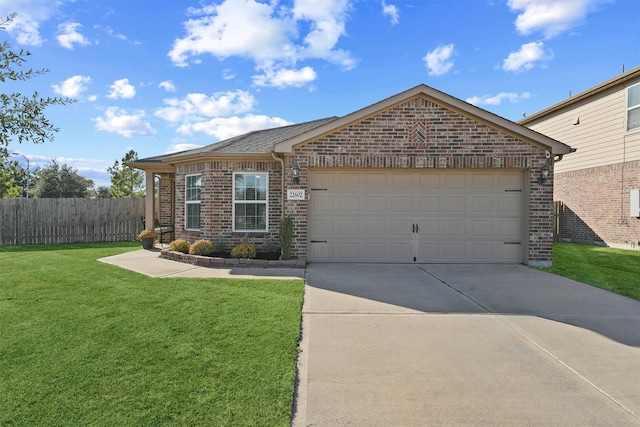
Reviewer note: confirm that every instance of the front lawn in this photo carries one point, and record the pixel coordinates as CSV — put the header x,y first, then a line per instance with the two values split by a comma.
x,y
86,343
615,270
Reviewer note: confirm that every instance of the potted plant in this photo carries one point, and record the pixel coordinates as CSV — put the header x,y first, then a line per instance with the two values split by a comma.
x,y
147,237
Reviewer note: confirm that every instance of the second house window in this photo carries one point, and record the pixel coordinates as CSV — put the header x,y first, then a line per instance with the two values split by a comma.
x,y
250,201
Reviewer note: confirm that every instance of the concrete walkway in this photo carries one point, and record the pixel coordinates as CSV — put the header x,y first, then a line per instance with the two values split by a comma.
x,y
148,262
464,345
451,345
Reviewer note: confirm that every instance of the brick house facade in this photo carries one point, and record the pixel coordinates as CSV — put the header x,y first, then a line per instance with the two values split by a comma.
x,y
478,173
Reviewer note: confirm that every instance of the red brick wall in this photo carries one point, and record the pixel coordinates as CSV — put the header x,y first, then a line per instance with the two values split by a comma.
x,y
596,204
216,209
422,135
417,134
166,195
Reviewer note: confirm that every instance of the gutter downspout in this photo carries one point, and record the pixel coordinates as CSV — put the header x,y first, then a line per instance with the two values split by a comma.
x,y
281,160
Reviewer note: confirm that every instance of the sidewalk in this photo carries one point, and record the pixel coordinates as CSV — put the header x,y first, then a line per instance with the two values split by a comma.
x,y
148,262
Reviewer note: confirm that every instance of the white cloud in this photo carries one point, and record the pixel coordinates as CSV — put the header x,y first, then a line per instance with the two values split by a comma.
x,y
439,60
228,74
526,58
119,121
68,35
198,106
73,87
25,27
271,35
234,28
180,145
284,78
512,97
223,128
122,89
391,11
550,17
168,86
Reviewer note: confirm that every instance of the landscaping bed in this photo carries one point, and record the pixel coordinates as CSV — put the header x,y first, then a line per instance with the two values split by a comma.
x,y
223,259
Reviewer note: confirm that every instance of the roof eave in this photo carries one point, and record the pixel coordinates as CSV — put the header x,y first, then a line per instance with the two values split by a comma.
x,y
618,80
155,166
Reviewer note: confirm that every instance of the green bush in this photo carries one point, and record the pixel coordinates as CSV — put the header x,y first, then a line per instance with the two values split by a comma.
x,y
286,236
244,250
202,247
179,245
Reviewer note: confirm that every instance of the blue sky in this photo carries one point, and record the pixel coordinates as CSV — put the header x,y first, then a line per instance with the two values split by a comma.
x,y
160,76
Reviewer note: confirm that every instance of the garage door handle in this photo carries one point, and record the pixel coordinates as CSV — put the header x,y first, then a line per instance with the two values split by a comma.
x,y
417,228
318,241
413,228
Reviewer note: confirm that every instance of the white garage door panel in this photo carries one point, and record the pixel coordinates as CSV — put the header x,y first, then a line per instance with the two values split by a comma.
x,y
415,216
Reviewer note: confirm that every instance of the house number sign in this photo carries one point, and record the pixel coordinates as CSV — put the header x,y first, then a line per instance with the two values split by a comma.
x,y
295,195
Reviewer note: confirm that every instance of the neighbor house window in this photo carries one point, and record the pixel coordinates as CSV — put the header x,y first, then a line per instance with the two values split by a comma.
x,y
192,202
633,107
250,205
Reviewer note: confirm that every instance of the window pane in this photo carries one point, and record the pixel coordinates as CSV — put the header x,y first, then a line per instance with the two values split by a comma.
x,y
193,216
634,96
250,187
251,216
239,187
633,119
193,188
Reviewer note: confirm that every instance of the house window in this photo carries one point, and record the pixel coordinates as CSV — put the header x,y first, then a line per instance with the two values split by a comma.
x,y
250,204
192,202
633,107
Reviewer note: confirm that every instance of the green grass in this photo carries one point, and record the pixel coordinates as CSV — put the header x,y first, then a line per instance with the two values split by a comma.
x,y
86,343
615,270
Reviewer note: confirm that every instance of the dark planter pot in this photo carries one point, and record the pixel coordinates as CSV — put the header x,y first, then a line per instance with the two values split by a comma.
x,y
147,243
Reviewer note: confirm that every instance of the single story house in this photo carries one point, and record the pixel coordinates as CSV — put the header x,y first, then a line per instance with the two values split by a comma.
x,y
420,177
599,185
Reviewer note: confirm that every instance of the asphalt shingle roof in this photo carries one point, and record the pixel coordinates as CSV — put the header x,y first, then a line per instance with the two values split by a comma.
x,y
260,141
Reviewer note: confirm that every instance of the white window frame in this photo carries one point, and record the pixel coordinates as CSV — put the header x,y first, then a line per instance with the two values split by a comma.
x,y
630,108
238,202
191,202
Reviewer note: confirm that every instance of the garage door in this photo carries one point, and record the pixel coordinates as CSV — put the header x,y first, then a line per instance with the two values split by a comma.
x,y
417,216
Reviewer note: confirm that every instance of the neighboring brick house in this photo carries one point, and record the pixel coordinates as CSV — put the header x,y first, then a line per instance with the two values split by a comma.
x,y
419,177
597,183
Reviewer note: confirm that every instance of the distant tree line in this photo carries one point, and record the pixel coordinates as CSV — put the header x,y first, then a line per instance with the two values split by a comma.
x,y
55,180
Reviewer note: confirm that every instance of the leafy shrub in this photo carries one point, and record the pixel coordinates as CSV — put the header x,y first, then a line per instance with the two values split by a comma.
x,y
180,245
202,247
286,236
219,247
244,250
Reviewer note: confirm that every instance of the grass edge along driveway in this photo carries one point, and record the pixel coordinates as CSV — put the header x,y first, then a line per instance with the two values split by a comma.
x,y
615,270
87,343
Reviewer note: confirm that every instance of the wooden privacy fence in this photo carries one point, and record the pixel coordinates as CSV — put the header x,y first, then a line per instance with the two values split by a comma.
x,y
54,221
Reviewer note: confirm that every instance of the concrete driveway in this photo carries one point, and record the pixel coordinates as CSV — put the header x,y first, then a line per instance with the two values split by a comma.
x,y
443,345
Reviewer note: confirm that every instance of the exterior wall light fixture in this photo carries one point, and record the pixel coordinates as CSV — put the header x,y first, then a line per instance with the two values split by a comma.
x,y
544,175
295,172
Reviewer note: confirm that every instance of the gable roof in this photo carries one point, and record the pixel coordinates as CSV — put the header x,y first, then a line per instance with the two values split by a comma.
x,y
262,143
437,97
621,79
259,142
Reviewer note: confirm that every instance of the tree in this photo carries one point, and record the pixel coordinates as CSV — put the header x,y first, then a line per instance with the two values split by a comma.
x,y
23,116
12,177
100,192
59,181
125,180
